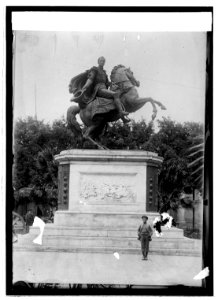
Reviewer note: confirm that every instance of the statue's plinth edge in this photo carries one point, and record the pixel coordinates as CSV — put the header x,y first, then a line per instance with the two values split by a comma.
x,y
109,155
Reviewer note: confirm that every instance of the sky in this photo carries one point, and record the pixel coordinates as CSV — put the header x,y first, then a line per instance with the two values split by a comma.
x,y
169,65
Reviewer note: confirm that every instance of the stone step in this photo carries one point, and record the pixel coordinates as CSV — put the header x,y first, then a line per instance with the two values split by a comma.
x,y
51,229
112,242
112,250
96,219
93,236
101,241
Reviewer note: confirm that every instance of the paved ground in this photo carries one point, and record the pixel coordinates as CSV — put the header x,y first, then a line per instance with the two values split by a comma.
x,y
54,267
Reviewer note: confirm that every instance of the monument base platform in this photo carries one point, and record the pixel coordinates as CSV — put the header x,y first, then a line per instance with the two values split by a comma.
x,y
105,233
102,197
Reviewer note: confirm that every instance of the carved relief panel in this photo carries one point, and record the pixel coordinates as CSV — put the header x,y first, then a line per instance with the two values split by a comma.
x,y
107,188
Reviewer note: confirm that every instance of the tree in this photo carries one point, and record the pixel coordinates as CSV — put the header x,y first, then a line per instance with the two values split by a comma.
x,y
36,143
171,142
130,137
195,154
35,170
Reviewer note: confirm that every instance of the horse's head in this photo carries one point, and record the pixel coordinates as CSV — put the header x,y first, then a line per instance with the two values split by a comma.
x,y
120,74
131,77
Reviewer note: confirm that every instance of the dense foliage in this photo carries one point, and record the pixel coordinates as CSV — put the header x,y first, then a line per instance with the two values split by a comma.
x,y
35,170
36,143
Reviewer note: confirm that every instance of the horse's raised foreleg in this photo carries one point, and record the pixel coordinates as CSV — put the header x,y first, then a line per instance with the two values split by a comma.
x,y
142,101
154,111
159,104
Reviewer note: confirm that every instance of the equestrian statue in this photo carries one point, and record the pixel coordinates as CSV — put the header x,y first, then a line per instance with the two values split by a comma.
x,y
101,101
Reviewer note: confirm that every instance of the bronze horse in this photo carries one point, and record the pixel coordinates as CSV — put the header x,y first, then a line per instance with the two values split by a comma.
x,y
97,113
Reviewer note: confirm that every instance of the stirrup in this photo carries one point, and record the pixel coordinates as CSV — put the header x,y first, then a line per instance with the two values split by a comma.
x,y
124,113
125,121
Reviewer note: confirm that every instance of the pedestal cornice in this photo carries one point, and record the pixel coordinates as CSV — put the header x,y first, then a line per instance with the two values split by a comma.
x,y
108,155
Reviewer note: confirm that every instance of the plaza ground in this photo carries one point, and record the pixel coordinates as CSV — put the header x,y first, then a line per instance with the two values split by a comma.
x,y
104,268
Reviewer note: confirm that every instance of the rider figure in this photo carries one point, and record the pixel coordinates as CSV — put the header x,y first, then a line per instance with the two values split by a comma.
x,y
98,77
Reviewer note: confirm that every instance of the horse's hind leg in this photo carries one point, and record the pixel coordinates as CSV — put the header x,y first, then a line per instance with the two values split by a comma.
x,y
89,136
71,119
89,131
97,144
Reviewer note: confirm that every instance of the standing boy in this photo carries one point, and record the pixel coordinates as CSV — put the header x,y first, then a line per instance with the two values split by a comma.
x,y
144,235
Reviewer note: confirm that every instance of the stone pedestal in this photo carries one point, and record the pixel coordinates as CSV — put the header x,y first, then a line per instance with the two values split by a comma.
x,y
102,181
102,196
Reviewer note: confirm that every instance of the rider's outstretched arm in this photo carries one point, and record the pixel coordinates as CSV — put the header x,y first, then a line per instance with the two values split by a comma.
x,y
87,84
89,81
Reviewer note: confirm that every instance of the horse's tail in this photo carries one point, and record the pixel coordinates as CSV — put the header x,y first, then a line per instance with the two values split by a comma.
x,y
71,120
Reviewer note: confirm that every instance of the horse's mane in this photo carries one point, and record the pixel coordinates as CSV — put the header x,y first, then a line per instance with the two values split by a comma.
x,y
115,70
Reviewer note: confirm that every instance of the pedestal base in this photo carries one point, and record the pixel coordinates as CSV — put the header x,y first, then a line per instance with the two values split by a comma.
x,y
102,197
108,181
